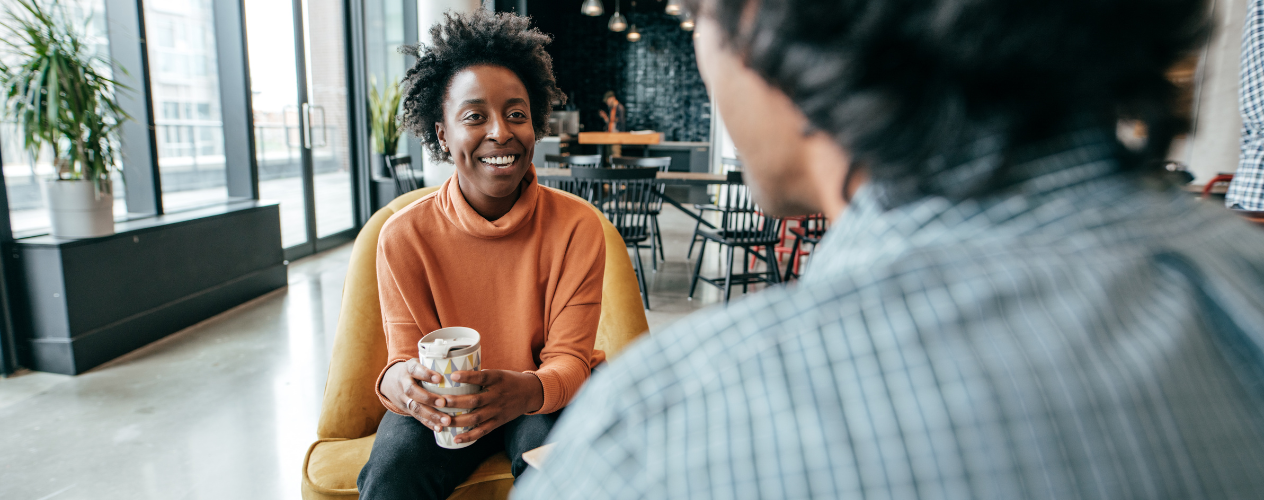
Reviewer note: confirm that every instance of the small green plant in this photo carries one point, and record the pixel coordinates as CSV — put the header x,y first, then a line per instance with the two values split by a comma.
x,y
57,93
384,117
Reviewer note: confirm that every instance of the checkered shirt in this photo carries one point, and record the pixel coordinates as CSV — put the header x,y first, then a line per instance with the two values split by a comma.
x,y
1086,334
1246,192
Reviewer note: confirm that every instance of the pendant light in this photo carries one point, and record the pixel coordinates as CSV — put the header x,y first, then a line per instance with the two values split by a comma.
x,y
673,7
633,34
592,8
686,22
617,22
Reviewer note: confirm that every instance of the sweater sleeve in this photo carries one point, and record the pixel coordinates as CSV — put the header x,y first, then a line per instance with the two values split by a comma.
x,y
398,320
568,354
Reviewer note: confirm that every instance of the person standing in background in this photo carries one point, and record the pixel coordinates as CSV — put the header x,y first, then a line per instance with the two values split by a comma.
x,y
1246,192
614,115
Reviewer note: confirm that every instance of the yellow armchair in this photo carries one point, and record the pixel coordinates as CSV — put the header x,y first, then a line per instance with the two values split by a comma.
x,y
350,411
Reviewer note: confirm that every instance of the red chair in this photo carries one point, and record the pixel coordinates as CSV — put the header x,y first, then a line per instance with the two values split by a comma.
x,y
1218,179
783,246
1256,218
811,229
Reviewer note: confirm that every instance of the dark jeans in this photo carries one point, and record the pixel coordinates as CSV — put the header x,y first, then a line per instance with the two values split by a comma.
x,y
406,462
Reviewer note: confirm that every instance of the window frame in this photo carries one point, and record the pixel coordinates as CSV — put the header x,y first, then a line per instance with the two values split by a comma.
x,y
139,138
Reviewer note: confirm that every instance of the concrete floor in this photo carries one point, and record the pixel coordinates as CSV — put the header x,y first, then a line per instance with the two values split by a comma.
x,y
224,409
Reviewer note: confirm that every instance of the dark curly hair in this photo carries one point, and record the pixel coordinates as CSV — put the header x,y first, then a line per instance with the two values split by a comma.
x,y
464,40
906,86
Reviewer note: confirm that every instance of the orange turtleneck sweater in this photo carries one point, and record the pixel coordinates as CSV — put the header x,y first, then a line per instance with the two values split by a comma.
x,y
528,282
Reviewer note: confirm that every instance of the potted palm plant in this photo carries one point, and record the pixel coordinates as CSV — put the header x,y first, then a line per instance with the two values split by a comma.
x,y
384,123
56,90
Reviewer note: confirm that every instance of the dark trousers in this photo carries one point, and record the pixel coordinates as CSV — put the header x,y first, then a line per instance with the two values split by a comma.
x,y
406,462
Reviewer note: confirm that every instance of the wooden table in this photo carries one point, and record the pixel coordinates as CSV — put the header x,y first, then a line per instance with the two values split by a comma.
x,y
670,178
611,143
605,138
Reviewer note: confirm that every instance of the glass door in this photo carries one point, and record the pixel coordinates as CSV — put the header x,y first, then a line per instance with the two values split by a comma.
x,y
300,98
328,115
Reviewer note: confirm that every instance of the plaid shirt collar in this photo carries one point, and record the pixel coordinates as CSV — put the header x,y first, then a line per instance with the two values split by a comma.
x,y
1079,168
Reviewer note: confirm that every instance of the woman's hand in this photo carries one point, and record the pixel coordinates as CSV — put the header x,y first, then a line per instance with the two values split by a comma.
x,y
401,385
506,395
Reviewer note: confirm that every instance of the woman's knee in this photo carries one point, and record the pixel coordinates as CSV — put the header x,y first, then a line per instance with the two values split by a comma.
x,y
407,463
399,446
526,433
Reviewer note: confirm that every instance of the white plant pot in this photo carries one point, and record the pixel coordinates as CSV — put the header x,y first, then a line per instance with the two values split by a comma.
x,y
77,210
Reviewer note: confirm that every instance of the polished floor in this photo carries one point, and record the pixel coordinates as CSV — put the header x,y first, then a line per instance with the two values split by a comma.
x,y
224,409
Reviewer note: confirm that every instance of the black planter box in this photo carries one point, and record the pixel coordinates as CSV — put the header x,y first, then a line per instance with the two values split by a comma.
x,y
80,303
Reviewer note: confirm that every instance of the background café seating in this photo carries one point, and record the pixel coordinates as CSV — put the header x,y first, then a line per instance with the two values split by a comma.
x,y
663,164
351,411
626,197
742,225
732,167
568,161
809,232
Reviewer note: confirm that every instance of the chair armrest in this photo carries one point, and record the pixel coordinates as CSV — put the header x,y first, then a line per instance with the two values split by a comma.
x,y
350,408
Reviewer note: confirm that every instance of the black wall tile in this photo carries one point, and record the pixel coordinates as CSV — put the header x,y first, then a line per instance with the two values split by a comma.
x,y
656,78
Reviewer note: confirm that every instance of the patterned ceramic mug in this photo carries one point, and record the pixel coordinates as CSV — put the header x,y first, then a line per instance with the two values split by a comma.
x,y
445,351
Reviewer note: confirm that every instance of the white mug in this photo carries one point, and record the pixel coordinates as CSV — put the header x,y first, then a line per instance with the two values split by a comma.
x,y
445,351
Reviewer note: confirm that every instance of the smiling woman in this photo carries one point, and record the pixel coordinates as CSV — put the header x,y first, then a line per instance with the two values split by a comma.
x,y
491,250
487,130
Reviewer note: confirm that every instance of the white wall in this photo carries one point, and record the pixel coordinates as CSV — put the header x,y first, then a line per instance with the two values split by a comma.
x,y
1212,147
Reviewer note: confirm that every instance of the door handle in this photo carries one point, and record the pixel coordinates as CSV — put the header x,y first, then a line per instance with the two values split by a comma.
x,y
324,131
306,117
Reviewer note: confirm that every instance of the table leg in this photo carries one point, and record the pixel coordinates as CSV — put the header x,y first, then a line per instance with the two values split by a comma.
x,y
688,212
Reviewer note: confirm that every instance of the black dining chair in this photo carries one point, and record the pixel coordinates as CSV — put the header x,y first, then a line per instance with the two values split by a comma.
x,y
625,196
733,167
662,163
403,174
810,231
742,225
568,161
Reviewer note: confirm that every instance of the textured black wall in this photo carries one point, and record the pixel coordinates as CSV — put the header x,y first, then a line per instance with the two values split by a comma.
x,y
656,78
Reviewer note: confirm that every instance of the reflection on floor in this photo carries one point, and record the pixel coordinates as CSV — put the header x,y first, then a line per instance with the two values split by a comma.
x,y
223,409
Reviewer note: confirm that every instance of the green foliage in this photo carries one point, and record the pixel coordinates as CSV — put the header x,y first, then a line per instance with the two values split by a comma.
x,y
384,117
56,93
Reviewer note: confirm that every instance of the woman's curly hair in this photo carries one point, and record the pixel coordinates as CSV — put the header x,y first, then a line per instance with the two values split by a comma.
x,y
464,40
906,86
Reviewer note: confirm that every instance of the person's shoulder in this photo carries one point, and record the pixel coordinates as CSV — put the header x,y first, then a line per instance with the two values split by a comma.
x,y
565,209
694,355
408,222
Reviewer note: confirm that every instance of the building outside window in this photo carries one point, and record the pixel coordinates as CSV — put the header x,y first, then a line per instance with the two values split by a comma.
x,y
185,89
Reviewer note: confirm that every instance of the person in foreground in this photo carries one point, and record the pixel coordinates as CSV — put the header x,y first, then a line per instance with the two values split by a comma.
x,y
490,250
1246,191
1009,304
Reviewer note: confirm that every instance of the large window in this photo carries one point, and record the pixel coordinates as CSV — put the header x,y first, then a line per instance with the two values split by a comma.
x,y
24,174
185,87
383,36
302,137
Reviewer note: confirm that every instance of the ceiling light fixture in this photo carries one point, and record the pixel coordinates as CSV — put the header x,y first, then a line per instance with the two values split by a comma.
x,y
617,21
673,7
592,8
633,34
686,22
